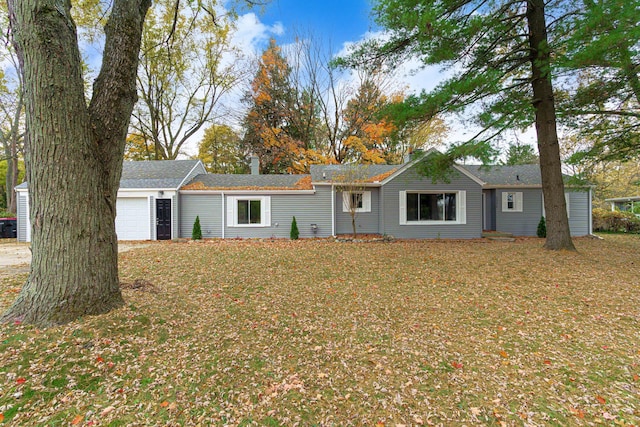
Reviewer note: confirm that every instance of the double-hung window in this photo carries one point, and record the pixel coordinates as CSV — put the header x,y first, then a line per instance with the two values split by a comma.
x,y
359,201
432,208
512,201
248,211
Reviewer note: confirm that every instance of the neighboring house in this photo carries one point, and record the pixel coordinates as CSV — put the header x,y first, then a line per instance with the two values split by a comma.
x,y
625,204
392,200
147,204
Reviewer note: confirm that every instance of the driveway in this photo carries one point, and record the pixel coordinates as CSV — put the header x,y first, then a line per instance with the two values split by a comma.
x,y
15,257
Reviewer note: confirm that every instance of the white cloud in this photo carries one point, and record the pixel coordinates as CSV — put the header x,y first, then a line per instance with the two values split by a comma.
x,y
251,34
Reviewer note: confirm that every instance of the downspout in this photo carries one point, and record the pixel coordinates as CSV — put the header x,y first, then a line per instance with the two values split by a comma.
x,y
333,213
222,217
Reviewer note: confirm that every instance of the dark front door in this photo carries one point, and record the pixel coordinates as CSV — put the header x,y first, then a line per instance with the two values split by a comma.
x,y
163,219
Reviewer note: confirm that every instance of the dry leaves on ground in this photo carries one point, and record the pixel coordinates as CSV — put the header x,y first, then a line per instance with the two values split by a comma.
x,y
326,333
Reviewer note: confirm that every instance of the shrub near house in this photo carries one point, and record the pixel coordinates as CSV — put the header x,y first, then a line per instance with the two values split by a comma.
x,y
615,221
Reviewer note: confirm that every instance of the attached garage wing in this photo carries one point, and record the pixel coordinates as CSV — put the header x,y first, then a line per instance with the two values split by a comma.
x,y
132,218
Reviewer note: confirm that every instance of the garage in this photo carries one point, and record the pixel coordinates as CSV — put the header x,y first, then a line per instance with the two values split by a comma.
x,y
132,218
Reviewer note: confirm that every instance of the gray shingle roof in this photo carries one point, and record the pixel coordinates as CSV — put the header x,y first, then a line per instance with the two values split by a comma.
x,y
155,173
220,181
166,174
334,171
496,175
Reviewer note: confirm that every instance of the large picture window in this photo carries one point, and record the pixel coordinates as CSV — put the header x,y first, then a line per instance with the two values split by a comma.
x,y
432,207
248,211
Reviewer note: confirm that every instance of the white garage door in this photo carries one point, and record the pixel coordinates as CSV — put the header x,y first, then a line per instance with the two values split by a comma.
x,y
132,218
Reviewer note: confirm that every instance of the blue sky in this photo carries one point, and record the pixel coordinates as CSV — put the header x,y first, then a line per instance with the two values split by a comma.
x,y
336,20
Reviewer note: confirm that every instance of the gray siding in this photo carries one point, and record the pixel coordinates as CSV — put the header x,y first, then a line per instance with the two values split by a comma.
x,y
21,216
411,181
307,208
579,212
366,222
208,207
523,223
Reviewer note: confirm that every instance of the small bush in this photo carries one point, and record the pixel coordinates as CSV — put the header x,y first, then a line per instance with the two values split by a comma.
x,y
196,234
615,221
542,228
294,234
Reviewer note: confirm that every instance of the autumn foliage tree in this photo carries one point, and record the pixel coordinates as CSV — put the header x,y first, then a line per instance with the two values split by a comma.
x,y
270,130
221,151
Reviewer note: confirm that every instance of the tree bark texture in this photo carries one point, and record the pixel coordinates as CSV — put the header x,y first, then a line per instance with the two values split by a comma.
x,y
73,157
558,234
11,154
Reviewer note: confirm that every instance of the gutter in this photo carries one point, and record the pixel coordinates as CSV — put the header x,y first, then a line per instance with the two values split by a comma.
x,y
230,191
333,211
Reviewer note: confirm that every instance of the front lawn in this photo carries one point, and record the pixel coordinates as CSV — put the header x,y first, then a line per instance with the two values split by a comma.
x,y
317,332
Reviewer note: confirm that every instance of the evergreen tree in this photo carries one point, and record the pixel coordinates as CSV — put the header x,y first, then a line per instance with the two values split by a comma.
x,y
196,234
501,61
542,228
294,234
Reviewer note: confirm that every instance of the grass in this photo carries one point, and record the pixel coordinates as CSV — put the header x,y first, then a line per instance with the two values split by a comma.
x,y
323,333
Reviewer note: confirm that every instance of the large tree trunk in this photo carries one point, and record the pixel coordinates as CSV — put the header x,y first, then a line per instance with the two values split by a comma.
x,y
73,156
558,234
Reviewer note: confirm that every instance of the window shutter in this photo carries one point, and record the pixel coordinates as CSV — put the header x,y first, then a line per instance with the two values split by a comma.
x,y
505,207
462,207
366,201
567,198
346,201
403,208
231,211
266,211
518,202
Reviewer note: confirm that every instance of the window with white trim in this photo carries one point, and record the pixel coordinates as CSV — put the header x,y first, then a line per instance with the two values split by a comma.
x,y
512,201
360,200
432,208
248,211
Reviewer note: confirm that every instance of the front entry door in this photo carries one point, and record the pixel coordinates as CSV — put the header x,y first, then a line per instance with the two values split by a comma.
x,y
163,219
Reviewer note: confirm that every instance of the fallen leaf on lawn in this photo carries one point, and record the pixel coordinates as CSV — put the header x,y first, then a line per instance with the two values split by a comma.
x,y
164,404
106,410
547,362
504,354
601,399
21,380
456,365
475,411
577,412
77,420
1,418
608,416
